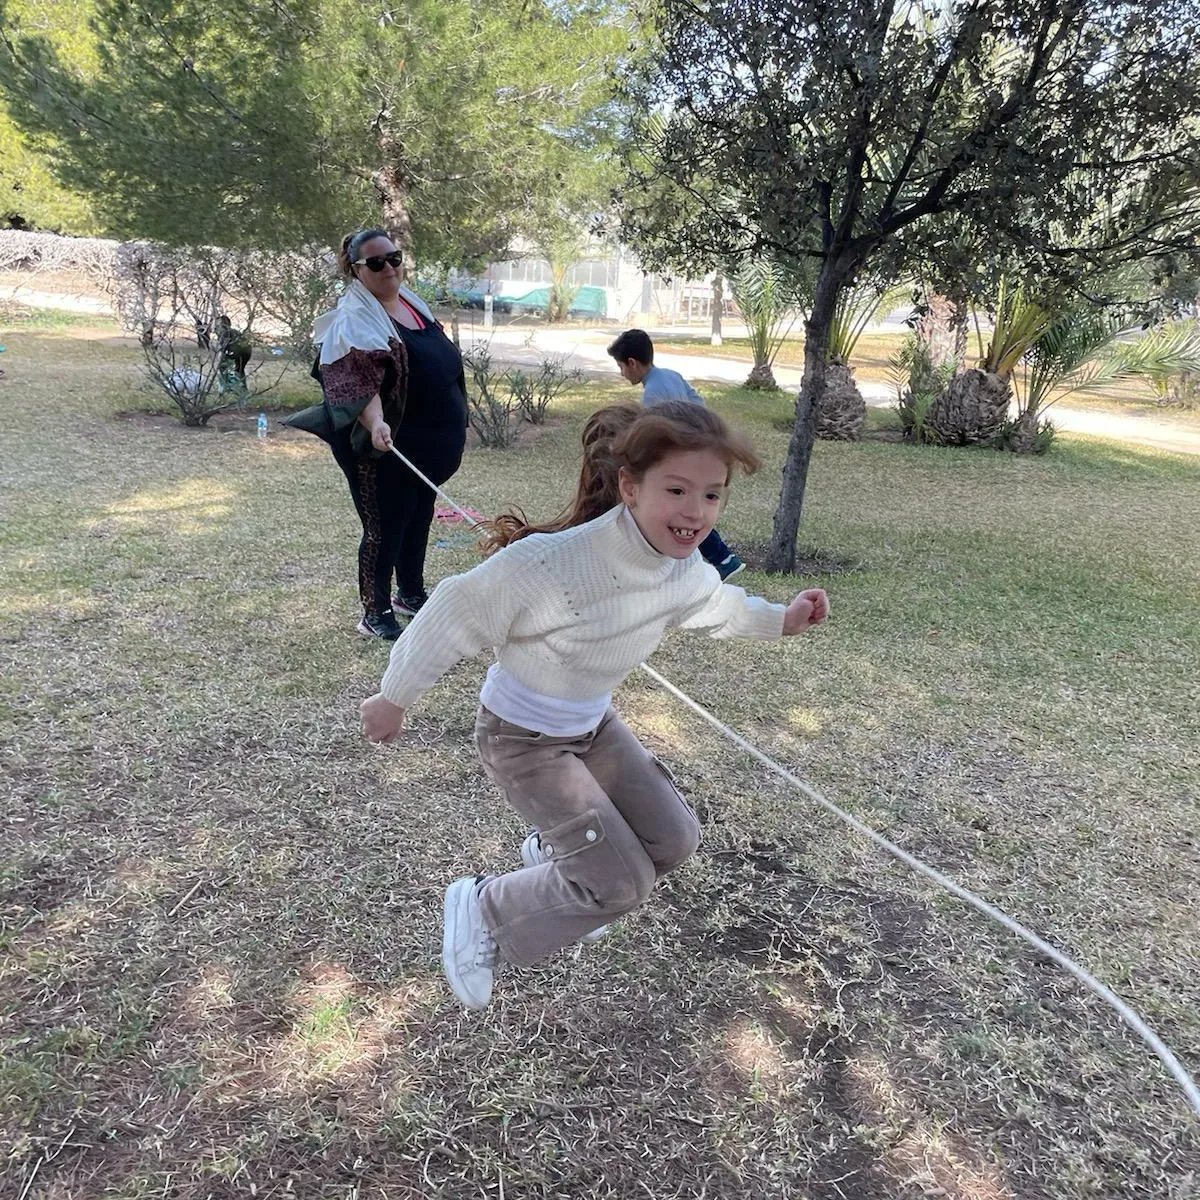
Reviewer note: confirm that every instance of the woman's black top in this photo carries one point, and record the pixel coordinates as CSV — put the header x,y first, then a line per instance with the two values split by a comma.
x,y
433,428
420,382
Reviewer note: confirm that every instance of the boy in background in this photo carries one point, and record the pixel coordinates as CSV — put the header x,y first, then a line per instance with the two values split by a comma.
x,y
634,355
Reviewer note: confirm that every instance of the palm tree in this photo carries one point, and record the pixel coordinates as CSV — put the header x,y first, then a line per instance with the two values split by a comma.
x,y
974,407
771,299
768,301
1080,349
561,246
841,410
918,381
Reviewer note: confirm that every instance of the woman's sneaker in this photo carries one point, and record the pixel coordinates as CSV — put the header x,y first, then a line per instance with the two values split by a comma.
x,y
381,625
469,952
409,606
532,856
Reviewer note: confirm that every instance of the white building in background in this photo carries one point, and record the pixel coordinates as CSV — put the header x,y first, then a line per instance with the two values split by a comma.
x,y
611,285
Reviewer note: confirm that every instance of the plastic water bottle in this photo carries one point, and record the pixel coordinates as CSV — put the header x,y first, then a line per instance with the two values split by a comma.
x,y
262,425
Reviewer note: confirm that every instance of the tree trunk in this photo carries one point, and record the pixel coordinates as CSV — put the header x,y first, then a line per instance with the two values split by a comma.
x,y
942,330
841,411
1024,433
971,411
762,378
718,301
781,555
391,187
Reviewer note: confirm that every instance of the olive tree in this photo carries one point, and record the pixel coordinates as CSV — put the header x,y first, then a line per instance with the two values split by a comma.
x,y
872,135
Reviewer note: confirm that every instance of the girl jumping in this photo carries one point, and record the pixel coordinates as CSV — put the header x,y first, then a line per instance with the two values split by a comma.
x,y
570,609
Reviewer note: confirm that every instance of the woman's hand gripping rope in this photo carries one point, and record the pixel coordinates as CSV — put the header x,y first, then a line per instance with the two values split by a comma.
x,y
381,436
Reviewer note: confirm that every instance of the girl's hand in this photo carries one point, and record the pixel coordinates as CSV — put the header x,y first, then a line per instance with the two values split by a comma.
x,y
809,608
381,436
382,720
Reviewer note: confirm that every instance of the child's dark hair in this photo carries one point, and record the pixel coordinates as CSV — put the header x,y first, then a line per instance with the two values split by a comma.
x,y
629,436
352,243
633,343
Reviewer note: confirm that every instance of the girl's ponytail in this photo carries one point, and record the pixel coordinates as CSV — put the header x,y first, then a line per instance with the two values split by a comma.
x,y
343,257
595,493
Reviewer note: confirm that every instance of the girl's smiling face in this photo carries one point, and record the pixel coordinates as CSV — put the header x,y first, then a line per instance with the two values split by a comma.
x,y
677,501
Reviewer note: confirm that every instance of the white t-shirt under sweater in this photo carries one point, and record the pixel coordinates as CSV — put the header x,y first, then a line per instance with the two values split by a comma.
x,y
569,615
512,701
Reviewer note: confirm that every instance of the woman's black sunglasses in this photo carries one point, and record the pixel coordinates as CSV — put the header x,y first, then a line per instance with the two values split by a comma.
x,y
376,261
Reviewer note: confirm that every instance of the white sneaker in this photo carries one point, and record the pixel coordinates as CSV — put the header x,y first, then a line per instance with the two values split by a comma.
x,y
469,952
531,856
531,850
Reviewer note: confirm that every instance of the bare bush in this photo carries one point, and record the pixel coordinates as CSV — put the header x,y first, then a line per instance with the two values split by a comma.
x,y
535,393
490,414
520,388
292,289
182,304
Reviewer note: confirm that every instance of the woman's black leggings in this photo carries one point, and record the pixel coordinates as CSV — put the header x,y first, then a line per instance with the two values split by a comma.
x,y
396,510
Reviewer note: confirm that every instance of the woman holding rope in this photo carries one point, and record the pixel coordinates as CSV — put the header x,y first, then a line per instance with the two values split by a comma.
x,y
570,609
390,376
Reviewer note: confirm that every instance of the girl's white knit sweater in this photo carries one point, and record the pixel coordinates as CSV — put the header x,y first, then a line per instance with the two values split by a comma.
x,y
570,614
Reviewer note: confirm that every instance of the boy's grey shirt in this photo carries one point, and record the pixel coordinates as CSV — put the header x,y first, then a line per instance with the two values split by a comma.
x,y
662,385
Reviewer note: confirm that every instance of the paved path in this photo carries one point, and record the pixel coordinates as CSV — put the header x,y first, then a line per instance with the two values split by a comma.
x,y
585,349
77,302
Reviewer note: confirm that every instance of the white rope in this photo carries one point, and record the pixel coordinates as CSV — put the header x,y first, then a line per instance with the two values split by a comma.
x,y
1089,981
437,490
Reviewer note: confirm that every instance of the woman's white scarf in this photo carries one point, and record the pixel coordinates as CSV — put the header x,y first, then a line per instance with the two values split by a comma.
x,y
359,322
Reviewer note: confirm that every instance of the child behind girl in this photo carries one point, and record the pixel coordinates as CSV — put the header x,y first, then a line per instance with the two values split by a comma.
x,y
570,609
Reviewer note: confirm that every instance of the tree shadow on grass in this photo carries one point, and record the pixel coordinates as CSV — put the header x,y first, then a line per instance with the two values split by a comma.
x,y
751,1033
908,1070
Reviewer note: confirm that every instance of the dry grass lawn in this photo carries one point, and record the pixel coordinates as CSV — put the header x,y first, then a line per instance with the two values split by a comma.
x,y
220,908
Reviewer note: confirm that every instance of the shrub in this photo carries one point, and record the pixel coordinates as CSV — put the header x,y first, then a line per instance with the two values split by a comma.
x,y
495,398
918,382
520,387
490,414
293,289
1025,435
177,300
25,250
535,393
